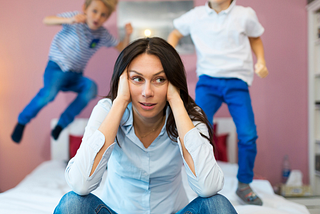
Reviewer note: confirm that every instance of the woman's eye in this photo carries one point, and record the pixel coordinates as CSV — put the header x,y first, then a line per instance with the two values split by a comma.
x,y
160,80
94,11
137,79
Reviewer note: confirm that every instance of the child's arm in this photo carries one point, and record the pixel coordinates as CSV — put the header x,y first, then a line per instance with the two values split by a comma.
x,y
126,39
257,47
55,20
174,38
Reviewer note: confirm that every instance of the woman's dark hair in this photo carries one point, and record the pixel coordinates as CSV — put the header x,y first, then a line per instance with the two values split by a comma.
x,y
175,73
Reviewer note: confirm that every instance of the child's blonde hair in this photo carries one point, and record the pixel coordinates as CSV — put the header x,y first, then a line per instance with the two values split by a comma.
x,y
110,4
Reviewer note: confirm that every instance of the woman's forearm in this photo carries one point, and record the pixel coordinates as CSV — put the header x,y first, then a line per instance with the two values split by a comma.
x,y
109,128
184,125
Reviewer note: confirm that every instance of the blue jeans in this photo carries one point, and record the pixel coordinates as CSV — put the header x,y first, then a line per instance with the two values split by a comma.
x,y
72,203
210,93
56,80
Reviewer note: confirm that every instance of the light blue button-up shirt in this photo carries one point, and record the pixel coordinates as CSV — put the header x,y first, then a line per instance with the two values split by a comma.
x,y
143,180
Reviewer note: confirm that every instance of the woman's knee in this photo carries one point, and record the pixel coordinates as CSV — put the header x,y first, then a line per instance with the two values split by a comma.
x,y
73,203
221,204
217,204
70,199
217,198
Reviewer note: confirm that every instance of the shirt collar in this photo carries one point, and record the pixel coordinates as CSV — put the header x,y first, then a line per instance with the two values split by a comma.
x,y
127,119
209,10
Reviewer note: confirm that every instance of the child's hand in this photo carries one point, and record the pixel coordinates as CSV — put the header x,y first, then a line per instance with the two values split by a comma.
x,y
123,88
172,93
79,18
128,28
261,70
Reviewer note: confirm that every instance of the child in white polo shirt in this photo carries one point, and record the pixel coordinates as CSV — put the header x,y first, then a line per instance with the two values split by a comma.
x,y
224,34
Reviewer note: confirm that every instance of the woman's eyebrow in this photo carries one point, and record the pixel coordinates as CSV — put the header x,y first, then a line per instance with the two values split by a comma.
x,y
135,72
142,74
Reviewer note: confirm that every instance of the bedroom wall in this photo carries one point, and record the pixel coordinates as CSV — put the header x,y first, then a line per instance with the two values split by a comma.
x,y
279,101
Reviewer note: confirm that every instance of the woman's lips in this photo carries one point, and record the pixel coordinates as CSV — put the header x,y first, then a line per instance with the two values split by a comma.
x,y
147,106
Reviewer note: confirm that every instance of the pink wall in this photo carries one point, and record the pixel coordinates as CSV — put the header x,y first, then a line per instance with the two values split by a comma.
x,y
279,101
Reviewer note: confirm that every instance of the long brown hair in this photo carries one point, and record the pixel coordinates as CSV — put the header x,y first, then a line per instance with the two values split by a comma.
x,y
175,73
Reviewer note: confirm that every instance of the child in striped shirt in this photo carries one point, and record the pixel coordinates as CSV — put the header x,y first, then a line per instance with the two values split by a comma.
x,y
81,36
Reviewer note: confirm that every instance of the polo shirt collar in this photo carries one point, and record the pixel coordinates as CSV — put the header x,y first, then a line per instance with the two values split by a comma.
x,y
209,10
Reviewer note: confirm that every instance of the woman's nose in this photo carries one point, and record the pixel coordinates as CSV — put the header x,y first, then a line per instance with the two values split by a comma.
x,y
147,90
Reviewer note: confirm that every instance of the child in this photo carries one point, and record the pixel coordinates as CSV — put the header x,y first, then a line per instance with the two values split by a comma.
x,y
223,33
81,36
145,130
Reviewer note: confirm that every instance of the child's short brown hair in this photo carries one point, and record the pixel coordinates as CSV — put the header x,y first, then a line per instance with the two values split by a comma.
x,y
110,4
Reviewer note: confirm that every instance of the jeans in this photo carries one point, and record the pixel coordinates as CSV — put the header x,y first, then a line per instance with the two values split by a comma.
x,y
72,203
210,93
56,80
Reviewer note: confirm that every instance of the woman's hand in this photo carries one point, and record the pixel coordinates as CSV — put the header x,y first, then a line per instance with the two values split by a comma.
x,y
123,88
172,93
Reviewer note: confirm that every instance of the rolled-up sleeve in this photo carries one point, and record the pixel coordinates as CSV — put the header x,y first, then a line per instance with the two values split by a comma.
x,y
209,177
77,173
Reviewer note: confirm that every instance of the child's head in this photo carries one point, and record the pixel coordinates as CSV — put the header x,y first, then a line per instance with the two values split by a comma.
x,y
220,1
110,4
98,11
219,4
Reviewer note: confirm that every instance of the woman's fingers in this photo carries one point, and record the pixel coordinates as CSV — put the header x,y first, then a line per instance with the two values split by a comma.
x,y
123,87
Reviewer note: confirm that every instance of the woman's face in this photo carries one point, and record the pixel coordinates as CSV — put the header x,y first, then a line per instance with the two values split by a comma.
x,y
148,86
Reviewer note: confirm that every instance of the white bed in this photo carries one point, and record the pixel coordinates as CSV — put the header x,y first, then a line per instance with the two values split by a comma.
x,y
41,190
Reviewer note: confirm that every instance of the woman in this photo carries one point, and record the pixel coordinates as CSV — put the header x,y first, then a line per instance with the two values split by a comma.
x,y
145,130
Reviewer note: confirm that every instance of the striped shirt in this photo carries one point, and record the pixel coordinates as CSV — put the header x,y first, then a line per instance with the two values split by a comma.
x,y
74,45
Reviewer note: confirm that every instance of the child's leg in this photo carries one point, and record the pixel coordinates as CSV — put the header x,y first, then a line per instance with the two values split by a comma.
x,y
208,95
53,81
72,203
217,204
239,103
87,90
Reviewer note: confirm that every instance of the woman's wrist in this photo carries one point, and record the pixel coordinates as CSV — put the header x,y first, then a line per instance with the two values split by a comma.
x,y
120,102
176,102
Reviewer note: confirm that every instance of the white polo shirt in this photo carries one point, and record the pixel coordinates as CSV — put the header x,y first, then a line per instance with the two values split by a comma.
x,y
221,40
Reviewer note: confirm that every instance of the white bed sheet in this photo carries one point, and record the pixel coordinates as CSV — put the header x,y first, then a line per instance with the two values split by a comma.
x,y
42,189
